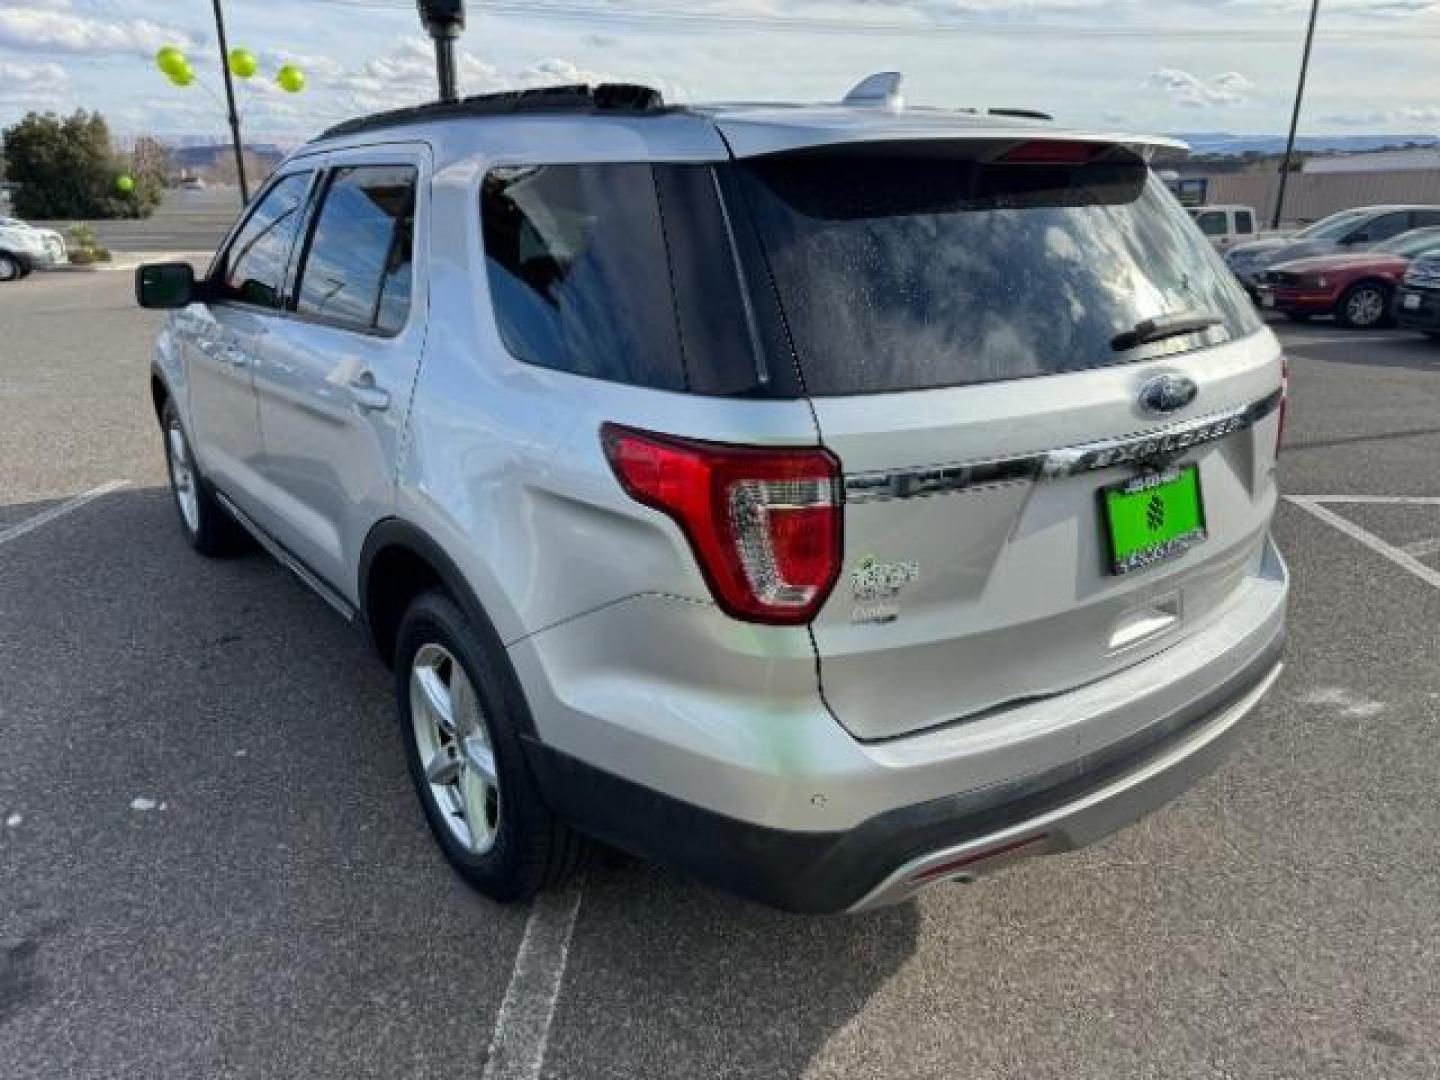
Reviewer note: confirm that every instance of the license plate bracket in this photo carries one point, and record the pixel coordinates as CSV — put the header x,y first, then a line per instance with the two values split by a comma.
x,y
1152,517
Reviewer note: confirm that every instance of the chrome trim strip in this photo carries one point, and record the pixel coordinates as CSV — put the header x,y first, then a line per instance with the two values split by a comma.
x,y
1156,446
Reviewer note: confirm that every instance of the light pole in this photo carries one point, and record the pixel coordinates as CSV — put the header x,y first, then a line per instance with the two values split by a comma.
x,y
230,103
1294,116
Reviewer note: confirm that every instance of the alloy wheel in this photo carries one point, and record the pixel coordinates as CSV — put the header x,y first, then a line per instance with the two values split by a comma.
x,y
182,476
1365,307
454,747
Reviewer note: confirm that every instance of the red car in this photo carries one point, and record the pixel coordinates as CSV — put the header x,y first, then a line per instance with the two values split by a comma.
x,y
1356,288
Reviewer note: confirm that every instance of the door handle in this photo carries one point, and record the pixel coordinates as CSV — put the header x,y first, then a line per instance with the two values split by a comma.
x,y
233,356
367,395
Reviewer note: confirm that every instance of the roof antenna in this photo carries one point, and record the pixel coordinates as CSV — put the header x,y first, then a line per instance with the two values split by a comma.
x,y
881,90
444,21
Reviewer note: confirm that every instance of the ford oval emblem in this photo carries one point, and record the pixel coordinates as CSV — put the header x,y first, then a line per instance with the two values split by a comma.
x,y
1167,394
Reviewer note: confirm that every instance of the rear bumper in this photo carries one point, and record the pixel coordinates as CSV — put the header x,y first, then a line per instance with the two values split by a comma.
x,y
890,857
814,821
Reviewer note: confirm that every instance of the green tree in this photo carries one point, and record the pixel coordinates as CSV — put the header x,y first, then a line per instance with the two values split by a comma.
x,y
65,169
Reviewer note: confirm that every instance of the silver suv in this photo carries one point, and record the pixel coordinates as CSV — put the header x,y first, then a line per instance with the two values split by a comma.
x,y
825,501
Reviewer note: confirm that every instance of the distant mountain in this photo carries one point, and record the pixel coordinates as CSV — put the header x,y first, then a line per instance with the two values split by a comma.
x,y
1223,142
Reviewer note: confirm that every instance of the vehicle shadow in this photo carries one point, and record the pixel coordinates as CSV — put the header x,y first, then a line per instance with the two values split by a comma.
x,y
240,841
669,978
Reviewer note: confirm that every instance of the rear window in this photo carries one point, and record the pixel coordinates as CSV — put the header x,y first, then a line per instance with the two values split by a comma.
x,y
909,266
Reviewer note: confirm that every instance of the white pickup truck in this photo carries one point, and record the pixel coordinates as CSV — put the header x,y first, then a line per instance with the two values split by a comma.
x,y
1226,226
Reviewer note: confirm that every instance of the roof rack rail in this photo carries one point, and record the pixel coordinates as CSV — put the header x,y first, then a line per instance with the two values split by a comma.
x,y
580,98
1023,114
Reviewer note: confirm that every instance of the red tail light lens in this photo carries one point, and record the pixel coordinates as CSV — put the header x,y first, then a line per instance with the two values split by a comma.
x,y
765,524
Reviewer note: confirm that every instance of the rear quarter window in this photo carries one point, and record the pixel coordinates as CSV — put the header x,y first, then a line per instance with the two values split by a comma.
x,y
576,263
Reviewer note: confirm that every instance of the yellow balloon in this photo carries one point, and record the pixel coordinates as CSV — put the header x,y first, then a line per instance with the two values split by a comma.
x,y
184,77
171,60
291,79
242,63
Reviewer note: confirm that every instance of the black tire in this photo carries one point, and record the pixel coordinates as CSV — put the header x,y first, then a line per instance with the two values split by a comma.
x,y
532,848
11,268
214,533
1433,335
1347,312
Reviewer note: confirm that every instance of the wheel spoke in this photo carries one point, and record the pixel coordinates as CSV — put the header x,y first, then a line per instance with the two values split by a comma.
x,y
480,759
444,767
437,698
474,797
463,704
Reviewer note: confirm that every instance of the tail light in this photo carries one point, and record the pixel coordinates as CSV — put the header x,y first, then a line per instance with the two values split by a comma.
x,y
764,524
1284,402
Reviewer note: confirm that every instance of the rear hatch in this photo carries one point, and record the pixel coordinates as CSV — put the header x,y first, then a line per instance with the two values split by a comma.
x,y
984,329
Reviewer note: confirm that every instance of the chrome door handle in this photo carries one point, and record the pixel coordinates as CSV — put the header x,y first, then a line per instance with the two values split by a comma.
x,y
367,395
234,357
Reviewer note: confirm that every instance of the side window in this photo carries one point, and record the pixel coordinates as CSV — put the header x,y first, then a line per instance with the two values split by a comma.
x,y
253,269
578,273
1244,222
1423,219
357,271
1212,222
1381,228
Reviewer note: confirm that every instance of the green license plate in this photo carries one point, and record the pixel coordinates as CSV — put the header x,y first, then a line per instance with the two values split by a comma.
x,y
1153,516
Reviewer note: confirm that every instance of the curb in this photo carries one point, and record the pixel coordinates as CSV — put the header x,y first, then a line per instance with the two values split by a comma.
x,y
129,260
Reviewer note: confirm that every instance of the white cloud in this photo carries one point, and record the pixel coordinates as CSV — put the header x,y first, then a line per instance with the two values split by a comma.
x,y
33,29
406,76
1193,92
14,74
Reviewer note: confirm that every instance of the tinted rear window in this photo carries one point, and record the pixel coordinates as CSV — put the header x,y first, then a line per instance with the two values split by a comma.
x,y
917,265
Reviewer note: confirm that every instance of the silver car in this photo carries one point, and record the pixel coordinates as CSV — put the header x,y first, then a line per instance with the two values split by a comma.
x,y
827,501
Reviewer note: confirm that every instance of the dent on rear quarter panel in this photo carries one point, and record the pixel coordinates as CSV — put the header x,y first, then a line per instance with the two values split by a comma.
x,y
503,465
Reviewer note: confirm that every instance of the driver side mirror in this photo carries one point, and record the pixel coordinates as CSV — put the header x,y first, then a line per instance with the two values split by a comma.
x,y
166,285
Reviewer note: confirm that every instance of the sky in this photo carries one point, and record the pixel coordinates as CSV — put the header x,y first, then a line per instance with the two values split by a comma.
x,y
1144,65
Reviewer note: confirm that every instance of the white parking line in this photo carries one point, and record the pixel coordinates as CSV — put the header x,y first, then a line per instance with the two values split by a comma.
x,y
1398,556
30,524
522,1028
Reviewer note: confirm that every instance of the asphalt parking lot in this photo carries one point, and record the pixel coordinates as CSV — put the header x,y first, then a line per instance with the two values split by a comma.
x,y
212,864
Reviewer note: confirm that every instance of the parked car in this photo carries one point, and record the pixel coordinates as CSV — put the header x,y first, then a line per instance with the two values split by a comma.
x,y
1225,226
785,493
24,248
1417,301
1356,288
1349,230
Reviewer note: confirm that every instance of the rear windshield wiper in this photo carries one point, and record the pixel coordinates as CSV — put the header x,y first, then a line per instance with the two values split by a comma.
x,y
1165,326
